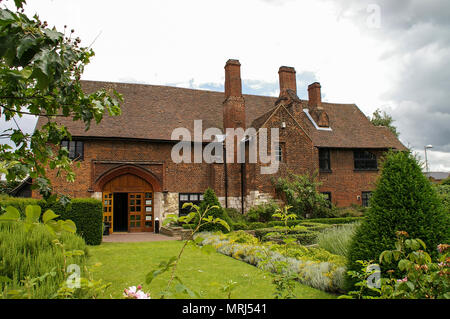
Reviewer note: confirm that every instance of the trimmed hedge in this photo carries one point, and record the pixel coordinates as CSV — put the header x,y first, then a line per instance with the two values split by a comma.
x,y
337,220
86,213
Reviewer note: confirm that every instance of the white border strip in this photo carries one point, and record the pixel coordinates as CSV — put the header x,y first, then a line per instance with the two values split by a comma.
x,y
313,122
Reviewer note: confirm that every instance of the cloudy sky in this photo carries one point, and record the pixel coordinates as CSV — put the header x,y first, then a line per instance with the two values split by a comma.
x,y
392,55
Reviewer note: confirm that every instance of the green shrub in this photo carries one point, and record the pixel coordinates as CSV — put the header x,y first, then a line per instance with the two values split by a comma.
x,y
300,192
235,215
256,225
444,194
33,254
86,213
210,199
239,226
262,213
403,200
337,239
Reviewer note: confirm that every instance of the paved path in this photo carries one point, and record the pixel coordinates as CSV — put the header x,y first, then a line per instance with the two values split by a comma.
x,y
136,237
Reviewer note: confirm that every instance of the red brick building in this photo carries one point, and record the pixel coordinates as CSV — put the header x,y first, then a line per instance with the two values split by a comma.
x,y
126,160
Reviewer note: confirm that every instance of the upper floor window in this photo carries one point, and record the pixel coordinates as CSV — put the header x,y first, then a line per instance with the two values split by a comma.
x,y
75,148
280,153
364,160
324,159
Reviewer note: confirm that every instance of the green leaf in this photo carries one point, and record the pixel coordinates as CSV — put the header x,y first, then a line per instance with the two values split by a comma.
x,y
32,213
11,214
48,215
221,222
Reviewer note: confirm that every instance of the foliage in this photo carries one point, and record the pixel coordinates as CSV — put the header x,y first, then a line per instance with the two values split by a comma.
x,y
40,70
300,192
234,215
32,265
380,118
321,274
446,181
211,203
444,194
86,213
262,213
421,277
337,240
338,220
403,200
7,186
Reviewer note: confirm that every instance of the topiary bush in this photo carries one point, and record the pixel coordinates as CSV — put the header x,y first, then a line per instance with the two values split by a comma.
x,y
404,200
210,199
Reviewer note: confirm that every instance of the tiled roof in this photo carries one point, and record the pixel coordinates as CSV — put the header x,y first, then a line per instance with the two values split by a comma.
x,y
438,175
153,112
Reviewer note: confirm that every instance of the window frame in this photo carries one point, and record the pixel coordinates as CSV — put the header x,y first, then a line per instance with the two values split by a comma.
x,y
185,211
361,163
329,197
76,144
365,200
327,159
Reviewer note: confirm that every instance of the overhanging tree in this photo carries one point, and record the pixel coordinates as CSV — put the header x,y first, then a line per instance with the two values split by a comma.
x,y
40,70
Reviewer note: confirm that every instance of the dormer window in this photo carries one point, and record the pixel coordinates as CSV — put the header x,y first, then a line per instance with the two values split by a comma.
x,y
365,160
75,148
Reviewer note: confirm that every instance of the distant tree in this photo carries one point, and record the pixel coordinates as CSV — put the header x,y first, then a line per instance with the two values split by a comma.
x,y
40,70
381,118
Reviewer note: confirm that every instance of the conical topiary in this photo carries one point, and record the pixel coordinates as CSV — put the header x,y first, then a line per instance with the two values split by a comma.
x,y
404,200
210,199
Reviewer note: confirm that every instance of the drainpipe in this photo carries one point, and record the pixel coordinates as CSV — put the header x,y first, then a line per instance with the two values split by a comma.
x,y
226,174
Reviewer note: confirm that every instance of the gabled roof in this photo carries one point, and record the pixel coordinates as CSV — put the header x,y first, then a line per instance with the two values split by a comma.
x,y
152,112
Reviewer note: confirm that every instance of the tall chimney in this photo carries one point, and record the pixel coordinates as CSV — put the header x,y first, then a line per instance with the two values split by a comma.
x,y
234,104
287,79
314,96
233,85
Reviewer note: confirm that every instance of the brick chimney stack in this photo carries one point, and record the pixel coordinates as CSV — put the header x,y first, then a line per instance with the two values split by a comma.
x,y
315,105
287,79
314,96
234,104
233,85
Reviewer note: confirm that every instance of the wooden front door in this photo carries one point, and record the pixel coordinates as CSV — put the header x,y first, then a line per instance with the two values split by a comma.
x,y
140,212
108,209
135,212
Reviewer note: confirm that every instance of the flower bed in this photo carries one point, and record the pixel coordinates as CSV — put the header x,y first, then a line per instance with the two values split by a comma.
x,y
315,267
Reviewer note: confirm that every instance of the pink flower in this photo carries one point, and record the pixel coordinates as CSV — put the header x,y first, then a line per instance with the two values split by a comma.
x,y
403,280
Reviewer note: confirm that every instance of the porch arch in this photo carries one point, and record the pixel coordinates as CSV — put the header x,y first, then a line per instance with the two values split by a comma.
x,y
140,172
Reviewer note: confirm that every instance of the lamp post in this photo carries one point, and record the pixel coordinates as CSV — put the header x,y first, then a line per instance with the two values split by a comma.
x,y
426,160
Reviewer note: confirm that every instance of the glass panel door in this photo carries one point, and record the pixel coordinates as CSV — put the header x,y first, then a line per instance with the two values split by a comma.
x,y
135,212
107,202
148,204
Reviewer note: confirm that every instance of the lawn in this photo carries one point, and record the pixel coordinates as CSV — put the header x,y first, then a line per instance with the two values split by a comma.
x,y
126,264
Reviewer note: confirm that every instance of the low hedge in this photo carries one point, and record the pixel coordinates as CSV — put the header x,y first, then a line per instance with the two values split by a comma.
x,y
305,238
86,213
337,220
